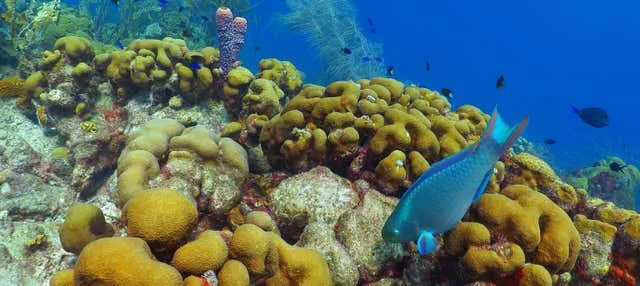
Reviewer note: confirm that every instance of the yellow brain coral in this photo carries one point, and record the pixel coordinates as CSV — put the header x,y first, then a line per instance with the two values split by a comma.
x,y
122,261
255,249
162,217
76,48
530,219
283,73
496,259
233,273
299,266
207,252
62,278
266,255
84,224
535,171
263,97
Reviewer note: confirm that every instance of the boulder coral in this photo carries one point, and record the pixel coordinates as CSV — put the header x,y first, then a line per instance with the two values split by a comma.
x,y
84,224
362,124
283,73
233,273
208,252
543,230
164,218
255,249
120,261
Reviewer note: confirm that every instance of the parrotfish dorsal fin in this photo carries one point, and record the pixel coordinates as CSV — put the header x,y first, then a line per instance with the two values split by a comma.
x,y
426,243
483,185
499,131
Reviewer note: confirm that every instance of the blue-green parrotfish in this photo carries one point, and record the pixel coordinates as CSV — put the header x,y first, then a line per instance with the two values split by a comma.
x,y
440,197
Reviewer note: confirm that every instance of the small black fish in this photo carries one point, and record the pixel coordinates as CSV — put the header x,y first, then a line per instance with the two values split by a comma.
x,y
180,9
446,92
346,51
617,167
257,48
115,2
549,141
373,30
428,65
594,116
500,82
187,34
204,18
119,45
390,71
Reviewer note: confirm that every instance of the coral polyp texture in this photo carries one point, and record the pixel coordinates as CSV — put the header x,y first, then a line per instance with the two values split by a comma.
x,y
157,164
373,128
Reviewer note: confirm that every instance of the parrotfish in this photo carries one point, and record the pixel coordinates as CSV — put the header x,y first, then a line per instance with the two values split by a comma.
x,y
440,197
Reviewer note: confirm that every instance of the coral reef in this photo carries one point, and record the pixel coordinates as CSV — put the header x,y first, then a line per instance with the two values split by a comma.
x,y
603,182
135,173
377,126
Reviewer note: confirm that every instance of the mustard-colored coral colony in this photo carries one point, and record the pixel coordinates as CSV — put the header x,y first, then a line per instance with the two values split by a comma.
x,y
188,168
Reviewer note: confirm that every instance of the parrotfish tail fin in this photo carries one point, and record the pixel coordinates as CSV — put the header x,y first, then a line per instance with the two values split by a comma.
x,y
426,243
501,133
575,109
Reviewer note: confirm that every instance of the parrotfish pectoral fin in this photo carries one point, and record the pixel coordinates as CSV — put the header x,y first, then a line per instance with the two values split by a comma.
x,y
483,185
426,243
501,133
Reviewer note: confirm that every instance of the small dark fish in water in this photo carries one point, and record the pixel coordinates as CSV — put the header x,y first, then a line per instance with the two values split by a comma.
x,y
446,92
258,48
500,82
187,34
204,18
549,141
370,21
373,30
163,3
180,9
594,116
366,59
346,51
617,167
115,2
378,59
390,71
428,66
119,45
195,66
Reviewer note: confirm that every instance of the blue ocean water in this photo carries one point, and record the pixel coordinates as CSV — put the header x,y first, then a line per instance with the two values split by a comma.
x,y
551,53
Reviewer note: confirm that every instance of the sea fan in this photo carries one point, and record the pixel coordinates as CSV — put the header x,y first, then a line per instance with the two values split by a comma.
x,y
330,26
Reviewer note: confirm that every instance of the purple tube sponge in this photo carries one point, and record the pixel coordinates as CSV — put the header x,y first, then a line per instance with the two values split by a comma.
x,y
230,37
